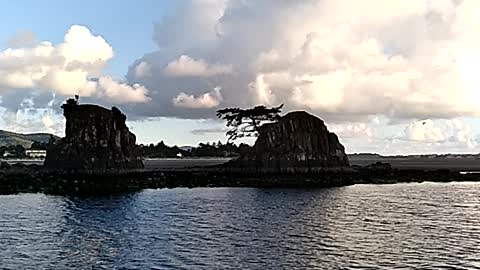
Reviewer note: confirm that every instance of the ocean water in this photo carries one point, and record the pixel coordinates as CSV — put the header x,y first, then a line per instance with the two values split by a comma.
x,y
401,226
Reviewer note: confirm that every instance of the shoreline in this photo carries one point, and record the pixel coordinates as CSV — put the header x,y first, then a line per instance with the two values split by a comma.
x,y
413,163
36,179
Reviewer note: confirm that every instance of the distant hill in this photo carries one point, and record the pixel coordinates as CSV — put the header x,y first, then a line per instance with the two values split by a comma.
x,y
365,156
8,138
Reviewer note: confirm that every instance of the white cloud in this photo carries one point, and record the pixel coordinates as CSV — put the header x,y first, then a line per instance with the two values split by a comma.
x,y
425,131
461,133
68,82
418,137
344,61
30,120
49,124
450,132
261,90
143,69
81,46
119,92
352,130
66,69
205,101
186,66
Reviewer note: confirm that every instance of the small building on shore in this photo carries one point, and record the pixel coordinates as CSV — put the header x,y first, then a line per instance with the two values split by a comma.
x,y
34,153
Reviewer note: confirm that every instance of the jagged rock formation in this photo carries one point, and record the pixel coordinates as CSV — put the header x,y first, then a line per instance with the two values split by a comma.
x,y
95,139
297,140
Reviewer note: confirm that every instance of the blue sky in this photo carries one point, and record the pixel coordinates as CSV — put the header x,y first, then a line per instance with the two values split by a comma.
x,y
126,25
128,28
385,76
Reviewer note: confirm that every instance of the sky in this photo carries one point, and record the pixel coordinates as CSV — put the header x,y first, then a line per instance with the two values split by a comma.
x,y
391,77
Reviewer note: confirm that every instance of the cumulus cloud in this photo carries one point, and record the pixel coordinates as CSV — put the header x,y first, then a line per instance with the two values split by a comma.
x,y
143,69
205,101
462,133
66,69
186,66
22,39
80,46
452,131
49,124
352,130
425,131
120,92
342,60
30,120
417,137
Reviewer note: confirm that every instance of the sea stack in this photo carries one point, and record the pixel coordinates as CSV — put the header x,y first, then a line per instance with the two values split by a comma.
x,y
297,142
96,138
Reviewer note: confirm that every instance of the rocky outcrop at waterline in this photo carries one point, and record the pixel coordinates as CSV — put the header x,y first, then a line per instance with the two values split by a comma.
x,y
96,138
298,141
37,179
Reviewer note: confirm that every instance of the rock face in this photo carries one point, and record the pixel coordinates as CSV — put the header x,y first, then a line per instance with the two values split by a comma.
x,y
297,140
95,139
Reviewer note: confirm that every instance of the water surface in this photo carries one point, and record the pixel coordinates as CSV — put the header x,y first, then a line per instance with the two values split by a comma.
x,y
410,226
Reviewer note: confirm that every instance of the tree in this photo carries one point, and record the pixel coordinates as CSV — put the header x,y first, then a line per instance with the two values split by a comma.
x,y
73,101
51,141
39,146
246,122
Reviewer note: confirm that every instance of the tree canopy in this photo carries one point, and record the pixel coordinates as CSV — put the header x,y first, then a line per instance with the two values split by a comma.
x,y
73,101
246,122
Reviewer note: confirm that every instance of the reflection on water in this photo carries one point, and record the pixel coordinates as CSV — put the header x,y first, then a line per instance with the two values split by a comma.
x,y
414,226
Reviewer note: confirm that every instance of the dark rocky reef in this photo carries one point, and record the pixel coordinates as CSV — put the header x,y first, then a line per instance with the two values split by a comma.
x,y
21,178
95,139
298,142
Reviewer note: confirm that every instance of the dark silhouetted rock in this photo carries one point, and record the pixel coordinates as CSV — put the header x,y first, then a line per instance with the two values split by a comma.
x,y
297,140
95,139
380,166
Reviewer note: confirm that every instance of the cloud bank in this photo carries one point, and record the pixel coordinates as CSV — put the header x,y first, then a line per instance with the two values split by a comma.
x,y
343,60
206,101
185,66
450,131
72,67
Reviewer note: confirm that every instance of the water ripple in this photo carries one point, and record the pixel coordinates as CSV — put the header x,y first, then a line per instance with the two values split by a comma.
x,y
404,226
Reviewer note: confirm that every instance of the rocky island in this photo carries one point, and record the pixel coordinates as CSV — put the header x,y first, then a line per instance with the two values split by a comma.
x,y
298,142
95,139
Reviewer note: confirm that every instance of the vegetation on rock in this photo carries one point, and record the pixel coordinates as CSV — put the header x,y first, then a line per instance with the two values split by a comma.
x,y
296,141
218,149
246,122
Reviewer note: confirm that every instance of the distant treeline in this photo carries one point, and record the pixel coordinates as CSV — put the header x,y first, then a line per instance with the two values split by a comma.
x,y
218,149
18,151
159,150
